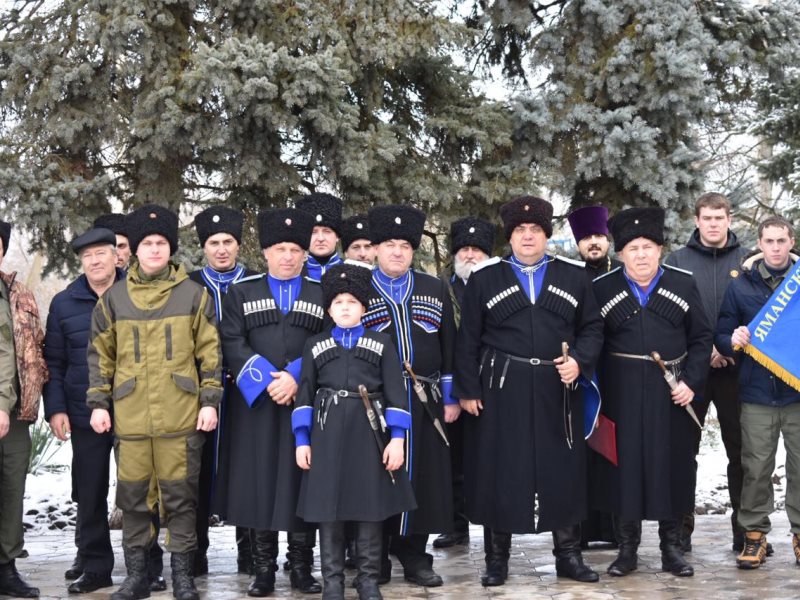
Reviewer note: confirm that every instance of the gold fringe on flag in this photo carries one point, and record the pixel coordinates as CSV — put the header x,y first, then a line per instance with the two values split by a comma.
x,y
772,366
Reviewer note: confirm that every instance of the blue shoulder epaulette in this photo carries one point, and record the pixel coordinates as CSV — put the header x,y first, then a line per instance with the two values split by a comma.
x,y
486,263
614,270
250,278
670,267
571,261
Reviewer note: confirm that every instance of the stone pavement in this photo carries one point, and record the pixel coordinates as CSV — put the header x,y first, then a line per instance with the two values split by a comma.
x,y
532,572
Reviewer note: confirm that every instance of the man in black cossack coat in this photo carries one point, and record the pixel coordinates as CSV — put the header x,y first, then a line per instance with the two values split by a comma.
x,y
415,310
649,307
524,436
267,320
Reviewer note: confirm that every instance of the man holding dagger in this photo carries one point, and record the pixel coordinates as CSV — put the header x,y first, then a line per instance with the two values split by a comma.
x,y
524,435
655,325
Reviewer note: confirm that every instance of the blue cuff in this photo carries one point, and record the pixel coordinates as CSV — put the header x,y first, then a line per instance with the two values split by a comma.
x,y
301,425
254,378
397,418
398,432
446,383
294,367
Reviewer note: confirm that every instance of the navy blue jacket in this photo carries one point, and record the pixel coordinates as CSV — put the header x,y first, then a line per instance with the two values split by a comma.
x,y
743,300
65,343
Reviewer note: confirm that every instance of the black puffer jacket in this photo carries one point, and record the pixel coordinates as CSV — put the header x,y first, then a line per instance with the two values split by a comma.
x,y
713,269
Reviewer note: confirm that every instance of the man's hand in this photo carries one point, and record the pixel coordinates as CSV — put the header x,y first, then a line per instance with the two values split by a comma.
x,y
451,413
207,419
719,361
5,423
302,454
100,421
568,370
283,388
393,455
682,394
59,425
740,336
473,407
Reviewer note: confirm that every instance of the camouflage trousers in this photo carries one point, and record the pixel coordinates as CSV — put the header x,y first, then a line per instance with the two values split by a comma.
x,y
162,471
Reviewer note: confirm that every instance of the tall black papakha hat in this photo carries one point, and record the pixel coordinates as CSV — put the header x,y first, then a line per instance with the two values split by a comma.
x,y
396,222
152,219
218,219
113,221
354,228
633,223
527,209
325,208
277,225
347,278
471,231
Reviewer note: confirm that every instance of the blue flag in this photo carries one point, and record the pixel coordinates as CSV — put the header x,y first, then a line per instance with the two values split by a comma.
x,y
774,331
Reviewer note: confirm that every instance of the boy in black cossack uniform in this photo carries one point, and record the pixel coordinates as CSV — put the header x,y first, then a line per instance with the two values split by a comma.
x,y
354,474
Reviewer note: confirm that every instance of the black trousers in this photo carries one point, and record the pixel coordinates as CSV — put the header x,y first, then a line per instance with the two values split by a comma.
x,y
410,551
205,490
91,455
722,388
455,434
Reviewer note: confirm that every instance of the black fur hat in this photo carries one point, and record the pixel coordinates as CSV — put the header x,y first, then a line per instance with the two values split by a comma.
x,y
218,219
278,225
633,223
354,228
152,219
325,208
113,221
471,231
5,235
396,222
347,278
527,209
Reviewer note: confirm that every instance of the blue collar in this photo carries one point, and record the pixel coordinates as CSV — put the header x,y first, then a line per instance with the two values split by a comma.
x,y
285,291
642,294
317,267
394,287
347,337
530,276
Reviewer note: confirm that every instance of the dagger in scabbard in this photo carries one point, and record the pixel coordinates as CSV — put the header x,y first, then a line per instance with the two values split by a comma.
x,y
373,423
669,376
419,389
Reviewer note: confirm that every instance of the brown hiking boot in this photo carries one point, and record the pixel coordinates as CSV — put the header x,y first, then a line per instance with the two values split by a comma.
x,y
754,552
796,548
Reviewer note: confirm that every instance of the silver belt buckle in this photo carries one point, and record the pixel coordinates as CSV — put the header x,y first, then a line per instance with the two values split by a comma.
x,y
341,393
535,361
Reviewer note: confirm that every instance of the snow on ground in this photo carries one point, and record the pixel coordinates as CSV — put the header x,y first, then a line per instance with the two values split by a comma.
x,y
48,505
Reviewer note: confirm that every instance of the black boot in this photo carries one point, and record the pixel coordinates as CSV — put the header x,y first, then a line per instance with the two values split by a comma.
x,y
369,545
200,566
155,567
669,532
569,560
182,564
11,584
386,562
331,546
686,530
264,546
136,584
244,551
628,534
350,545
76,570
301,557
497,547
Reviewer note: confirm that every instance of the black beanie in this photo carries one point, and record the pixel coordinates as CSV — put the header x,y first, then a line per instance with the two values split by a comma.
x,y
347,278
152,219
325,208
354,228
633,223
527,209
218,219
471,231
279,225
5,235
113,221
396,222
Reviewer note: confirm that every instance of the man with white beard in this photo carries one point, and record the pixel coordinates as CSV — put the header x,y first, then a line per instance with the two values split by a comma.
x,y
471,243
